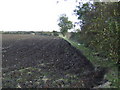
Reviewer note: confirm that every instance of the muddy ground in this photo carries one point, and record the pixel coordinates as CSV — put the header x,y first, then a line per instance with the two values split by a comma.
x,y
31,61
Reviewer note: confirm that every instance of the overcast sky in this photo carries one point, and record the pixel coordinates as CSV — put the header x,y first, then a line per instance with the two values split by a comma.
x,y
33,15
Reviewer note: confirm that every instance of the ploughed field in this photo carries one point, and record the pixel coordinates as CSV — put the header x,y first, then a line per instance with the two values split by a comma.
x,y
33,61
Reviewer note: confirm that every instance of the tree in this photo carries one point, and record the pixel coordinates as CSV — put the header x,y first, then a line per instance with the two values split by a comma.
x,y
99,27
64,24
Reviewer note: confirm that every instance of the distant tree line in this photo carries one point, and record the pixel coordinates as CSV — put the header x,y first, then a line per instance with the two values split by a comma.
x,y
52,33
17,32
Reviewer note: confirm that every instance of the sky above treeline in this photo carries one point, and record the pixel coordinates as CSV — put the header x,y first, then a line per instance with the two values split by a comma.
x,y
35,15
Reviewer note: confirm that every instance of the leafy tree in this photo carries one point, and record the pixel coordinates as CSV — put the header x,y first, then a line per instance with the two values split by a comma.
x,y
99,27
64,24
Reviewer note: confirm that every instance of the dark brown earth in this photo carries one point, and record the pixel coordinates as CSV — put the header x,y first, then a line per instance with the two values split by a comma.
x,y
44,62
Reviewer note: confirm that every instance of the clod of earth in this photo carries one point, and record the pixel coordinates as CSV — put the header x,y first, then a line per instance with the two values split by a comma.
x,y
46,61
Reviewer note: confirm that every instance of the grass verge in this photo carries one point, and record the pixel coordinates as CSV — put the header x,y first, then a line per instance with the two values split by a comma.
x,y
111,75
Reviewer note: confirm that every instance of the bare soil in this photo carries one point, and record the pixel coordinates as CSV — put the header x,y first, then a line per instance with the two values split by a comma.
x,y
32,61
